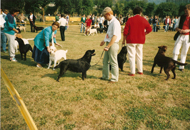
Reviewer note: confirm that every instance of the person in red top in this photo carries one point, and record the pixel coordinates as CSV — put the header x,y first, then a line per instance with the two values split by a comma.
x,y
183,37
88,24
134,33
167,23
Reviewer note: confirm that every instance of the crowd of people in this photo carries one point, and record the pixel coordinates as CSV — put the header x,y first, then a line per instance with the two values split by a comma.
x,y
135,29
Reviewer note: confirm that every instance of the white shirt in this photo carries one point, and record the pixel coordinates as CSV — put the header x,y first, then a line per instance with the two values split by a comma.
x,y
101,19
168,20
62,22
2,21
31,17
113,29
177,23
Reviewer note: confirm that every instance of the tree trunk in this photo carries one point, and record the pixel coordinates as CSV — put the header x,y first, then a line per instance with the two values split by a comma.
x,y
43,14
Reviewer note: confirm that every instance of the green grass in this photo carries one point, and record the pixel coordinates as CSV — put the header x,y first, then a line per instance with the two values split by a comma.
x,y
142,102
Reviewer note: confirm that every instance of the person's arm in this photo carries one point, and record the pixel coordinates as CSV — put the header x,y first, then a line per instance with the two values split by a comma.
x,y
111,43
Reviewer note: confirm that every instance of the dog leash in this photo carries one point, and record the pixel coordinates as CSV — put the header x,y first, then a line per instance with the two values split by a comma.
x,y
99,59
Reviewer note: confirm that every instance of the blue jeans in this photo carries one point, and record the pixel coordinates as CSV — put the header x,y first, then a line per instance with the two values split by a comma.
x,y
3,41
82,29
100,25
167,27
173,27
154,27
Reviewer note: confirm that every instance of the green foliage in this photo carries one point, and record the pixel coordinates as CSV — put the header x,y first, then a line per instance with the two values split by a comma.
x,y
180,113
167,9
9,4
69,126
150,9
66,112
80,7
101,4
59,122
148,116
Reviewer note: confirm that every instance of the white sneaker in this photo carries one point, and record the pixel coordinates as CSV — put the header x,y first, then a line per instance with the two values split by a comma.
x,y
13,59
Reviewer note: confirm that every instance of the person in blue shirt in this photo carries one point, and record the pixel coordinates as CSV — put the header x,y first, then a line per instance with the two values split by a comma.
x,y
42,42
10,30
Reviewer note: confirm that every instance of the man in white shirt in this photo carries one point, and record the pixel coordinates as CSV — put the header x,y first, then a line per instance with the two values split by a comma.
x,y
101,21
62,23
112,46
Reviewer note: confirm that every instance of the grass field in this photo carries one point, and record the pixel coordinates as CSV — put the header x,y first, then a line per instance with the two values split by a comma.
x,y
142,102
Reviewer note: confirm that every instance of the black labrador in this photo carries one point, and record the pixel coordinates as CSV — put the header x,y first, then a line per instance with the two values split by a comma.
x,y
23,48
79,65
38,28
165,62
121,58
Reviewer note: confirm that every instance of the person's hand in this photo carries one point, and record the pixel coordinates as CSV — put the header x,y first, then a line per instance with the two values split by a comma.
x,y
48,49
102,43
185,31
15,30
57,44
106,48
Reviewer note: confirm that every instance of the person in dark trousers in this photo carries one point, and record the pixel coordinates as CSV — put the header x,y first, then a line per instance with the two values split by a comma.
x,y
62,22
32,20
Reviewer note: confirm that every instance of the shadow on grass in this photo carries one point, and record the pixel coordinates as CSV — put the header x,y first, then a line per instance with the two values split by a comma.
x,y
29,61
68,74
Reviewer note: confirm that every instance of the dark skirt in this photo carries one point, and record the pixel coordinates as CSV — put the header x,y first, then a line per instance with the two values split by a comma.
x,y
41,57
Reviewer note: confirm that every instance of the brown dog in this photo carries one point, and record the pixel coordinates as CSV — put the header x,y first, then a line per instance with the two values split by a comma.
x,y
162,61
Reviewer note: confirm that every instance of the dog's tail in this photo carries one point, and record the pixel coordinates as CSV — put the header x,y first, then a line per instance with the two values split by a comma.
x,y
66,51
179,63
30,48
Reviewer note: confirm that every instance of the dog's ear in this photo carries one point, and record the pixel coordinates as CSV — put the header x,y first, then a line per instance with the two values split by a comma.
x,y
159,46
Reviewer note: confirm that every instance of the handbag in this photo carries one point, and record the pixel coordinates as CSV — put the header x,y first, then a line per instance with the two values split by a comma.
x,y
176,35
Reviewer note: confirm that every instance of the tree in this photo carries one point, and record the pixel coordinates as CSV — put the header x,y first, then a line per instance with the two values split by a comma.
x,y
101,4
36,5
9,4
181,9
167,9
119,8
150,9
87,6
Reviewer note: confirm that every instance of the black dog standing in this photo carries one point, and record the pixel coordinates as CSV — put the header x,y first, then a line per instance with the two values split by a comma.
x,y
23,48
121,58
79,65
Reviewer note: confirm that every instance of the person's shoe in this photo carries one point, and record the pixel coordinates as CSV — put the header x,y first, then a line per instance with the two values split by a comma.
x,y
39,66
102,78
13,59
111,82
131,74
140,73
181,70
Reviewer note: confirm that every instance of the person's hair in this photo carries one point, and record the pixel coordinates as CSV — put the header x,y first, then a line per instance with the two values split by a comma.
x,y
187,6
107,10
55,23
62,15
5,10
12,11
137,10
